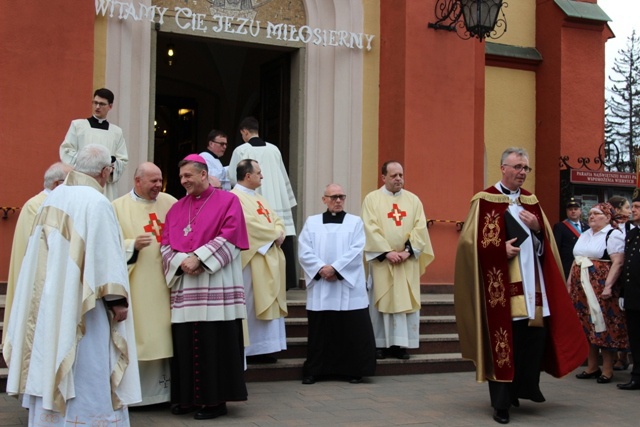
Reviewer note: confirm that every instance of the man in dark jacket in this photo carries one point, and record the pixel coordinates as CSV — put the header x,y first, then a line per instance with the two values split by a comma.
x,y
630,295
566,234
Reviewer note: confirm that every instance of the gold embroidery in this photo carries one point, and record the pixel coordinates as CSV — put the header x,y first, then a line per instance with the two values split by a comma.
x,y
502,348
496,288
491,230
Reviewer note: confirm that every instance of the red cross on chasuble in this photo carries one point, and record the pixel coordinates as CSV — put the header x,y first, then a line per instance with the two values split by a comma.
x,y
396,214
155,226
264,212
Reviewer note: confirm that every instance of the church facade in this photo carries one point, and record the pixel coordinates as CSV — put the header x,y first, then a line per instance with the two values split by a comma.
x,y
339,85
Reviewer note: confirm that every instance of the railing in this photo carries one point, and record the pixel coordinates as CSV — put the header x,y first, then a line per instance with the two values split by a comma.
x,y
458,224
6,209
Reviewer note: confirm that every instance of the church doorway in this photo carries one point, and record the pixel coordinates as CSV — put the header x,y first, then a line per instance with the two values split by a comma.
x,y
205,83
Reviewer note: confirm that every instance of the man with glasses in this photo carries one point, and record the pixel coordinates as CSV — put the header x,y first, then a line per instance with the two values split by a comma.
x,y
398,249
97,130
513,311
216,147
341,340
263,268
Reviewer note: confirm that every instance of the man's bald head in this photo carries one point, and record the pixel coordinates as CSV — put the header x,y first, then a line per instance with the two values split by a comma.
x,y
148,181
334,198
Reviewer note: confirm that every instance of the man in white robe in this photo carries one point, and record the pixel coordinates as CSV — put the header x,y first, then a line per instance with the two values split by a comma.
x,y
70,346
276,187
330,247
398,249
141,214
263,268
216,146
54,176
97,130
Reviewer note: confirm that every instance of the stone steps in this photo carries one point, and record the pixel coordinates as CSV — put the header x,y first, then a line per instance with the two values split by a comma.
x,y
439,349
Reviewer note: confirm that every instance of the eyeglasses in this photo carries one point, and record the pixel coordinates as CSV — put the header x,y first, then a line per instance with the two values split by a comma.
x,y
100,104
337,197
520,168
224,144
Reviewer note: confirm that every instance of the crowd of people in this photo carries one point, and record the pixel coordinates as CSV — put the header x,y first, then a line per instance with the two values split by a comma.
x,y
116,302
143,299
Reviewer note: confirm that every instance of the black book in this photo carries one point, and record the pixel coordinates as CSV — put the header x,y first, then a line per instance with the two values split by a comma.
x,y
514,229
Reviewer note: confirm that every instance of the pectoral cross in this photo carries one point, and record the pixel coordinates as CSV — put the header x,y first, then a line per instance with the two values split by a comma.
x,y
187,229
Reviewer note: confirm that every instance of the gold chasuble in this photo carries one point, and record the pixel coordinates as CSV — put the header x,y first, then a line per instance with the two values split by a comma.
x,y
390,221
149,292
488,293
267,265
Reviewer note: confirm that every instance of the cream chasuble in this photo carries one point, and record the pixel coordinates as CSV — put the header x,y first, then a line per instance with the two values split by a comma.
x,y
265,259
276,187
390,220
64,353
149,292
18,249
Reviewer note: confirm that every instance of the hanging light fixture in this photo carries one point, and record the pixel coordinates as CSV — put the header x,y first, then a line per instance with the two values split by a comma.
x,y
480,18
170,53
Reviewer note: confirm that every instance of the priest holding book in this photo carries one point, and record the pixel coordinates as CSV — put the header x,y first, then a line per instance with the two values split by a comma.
x,y
512,308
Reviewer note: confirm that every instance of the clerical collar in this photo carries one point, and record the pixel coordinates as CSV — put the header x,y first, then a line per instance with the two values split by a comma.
x,y
206,193
385,191
244,189
256,141
212,153
506,191
333,217
137,198
97,123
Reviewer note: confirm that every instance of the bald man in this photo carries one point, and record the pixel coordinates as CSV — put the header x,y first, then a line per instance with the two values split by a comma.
x,y
54,176
141,214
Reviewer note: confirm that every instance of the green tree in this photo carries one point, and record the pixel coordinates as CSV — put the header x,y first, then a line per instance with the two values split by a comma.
x,y
622,121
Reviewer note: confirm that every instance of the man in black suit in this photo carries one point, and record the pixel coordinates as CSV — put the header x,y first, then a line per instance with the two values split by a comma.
x,y
567,232
630,295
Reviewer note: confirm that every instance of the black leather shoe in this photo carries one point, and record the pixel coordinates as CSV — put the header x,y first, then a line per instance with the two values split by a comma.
x,y
631,385
584,375
501,416
402,354
209,412
181,410
381,353
603,379
309,379
355,380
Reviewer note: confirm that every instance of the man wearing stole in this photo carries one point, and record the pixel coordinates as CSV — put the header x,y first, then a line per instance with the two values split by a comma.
x,y
512,308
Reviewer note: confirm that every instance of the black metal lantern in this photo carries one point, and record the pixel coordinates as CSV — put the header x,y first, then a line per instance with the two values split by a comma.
x,y
480,18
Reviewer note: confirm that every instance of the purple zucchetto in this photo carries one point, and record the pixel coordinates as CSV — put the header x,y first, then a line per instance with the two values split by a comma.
x,y
195,158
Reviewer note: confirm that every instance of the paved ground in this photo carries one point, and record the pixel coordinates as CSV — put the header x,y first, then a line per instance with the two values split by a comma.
x,y
415,400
